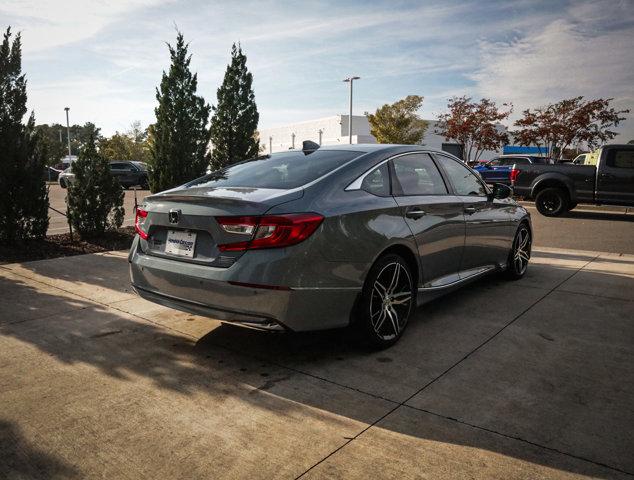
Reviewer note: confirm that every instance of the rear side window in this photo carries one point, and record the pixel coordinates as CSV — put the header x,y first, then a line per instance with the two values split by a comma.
x,y
377,182
620,159
284,170
417,174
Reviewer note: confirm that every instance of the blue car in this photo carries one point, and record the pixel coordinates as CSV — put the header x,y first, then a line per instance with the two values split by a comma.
x,y
498,169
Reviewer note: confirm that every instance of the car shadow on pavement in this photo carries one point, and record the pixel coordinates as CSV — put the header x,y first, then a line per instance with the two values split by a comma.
x,y
260,368
21,459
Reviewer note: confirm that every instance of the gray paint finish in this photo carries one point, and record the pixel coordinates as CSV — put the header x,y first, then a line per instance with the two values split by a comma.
x,y
315,284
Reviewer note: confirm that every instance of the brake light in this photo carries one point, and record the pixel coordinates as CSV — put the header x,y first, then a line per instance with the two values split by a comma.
x,y
269,231
513,175
139,221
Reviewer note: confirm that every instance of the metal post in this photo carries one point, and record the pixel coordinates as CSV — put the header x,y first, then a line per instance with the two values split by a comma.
x,y
350,80
68,132
270,145
293,141
321,132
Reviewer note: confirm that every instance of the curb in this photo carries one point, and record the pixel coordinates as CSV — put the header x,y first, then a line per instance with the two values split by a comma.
x,y
596,208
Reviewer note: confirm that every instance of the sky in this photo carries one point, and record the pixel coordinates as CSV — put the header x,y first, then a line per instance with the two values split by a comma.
x,y
104,58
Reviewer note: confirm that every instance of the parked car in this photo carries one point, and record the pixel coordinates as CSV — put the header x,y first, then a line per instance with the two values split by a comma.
x,y
326,237
498,170
557,189
129,174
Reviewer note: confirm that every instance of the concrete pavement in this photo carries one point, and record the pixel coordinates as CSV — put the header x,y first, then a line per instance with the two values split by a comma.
x,y
528,379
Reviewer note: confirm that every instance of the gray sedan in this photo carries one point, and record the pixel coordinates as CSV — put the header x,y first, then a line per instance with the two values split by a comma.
x,y
327,237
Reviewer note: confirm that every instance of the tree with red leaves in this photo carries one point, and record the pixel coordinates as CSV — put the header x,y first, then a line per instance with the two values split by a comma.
x,y
475,125
570,122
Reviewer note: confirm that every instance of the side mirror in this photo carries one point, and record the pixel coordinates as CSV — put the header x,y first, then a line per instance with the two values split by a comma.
x,y
501,191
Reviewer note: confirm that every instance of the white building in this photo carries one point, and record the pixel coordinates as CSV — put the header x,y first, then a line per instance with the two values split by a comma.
x,y
334,131
324,131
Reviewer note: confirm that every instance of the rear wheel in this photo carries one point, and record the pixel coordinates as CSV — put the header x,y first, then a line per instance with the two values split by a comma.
x,y
387,301
520,254
551,202
62,183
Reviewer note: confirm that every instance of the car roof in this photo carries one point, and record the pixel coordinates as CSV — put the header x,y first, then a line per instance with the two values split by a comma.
x,y
379,147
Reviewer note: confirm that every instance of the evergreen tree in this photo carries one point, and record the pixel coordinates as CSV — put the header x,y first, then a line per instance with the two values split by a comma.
x,y
23,193
235,119
179,150
95,198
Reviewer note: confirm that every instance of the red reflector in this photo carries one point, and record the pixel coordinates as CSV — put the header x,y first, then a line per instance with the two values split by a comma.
x,y
271,231
513,175
139,220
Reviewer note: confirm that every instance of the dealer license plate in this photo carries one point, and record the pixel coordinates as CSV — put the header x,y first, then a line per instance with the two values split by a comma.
x,y
180,242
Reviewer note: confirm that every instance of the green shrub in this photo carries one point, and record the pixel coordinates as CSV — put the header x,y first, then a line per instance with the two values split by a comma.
x,y
23,192
95,198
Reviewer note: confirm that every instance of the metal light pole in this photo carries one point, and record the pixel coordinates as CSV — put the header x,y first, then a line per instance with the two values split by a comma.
x,y
350,80
68,131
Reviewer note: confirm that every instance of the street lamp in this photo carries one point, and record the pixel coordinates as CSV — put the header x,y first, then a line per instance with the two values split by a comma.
x,y
350,80
68,131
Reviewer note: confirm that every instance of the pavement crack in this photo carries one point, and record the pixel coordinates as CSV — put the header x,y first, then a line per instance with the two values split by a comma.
x,y
519,439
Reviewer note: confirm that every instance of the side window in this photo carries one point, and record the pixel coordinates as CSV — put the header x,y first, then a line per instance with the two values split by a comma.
x,y
620,159
116,166
417,174
464,182
377,182
496,162
518,161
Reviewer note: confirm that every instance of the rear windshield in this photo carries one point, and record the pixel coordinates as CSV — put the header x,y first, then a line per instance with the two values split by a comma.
x,y
284,170
540,160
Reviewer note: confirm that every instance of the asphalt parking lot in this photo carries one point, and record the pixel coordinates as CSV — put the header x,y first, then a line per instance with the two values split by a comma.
x,y
527,379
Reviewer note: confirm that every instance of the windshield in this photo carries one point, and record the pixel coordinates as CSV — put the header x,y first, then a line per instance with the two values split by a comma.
x,y
278,171
141,165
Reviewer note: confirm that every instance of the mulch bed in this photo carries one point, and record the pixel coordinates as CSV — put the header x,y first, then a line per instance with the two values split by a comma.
x,y
61,245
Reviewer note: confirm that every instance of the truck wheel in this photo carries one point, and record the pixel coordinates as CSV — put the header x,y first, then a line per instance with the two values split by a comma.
x,y
551,202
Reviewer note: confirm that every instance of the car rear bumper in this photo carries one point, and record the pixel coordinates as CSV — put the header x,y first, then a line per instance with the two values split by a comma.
x,y
208,291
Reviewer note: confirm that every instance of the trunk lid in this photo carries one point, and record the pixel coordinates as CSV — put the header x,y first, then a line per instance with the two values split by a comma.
x,y
189,215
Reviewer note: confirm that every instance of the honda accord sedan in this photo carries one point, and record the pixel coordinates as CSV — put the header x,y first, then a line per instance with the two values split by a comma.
x,y
326,237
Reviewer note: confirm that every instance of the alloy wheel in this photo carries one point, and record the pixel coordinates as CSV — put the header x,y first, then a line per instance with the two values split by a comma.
x,y
390,301
521,250
551,203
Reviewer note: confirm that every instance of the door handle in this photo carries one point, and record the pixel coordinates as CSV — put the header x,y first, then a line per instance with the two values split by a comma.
x,y
469,210
415,213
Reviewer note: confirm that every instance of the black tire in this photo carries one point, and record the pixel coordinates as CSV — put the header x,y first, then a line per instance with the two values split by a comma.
x,y
552,202
387,300
62,183
520,253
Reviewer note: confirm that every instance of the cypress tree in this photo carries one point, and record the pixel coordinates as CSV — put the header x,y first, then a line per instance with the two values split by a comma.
x,y
23,192
235,120
95,198
180,144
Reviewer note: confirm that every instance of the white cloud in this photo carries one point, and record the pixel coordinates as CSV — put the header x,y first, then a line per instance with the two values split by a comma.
x,y
588,52
48,24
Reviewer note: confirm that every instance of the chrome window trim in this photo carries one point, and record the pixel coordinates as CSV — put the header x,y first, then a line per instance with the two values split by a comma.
x,y
356,184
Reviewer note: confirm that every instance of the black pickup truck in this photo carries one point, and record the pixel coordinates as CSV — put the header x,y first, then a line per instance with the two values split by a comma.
x,y
558,188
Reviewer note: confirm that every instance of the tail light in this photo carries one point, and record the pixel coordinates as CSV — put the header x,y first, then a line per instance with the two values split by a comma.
x,y
139,221
269,231
513,175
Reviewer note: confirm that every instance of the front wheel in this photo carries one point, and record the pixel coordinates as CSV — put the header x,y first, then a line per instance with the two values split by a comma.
x,y
520,254
386,302
551,202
